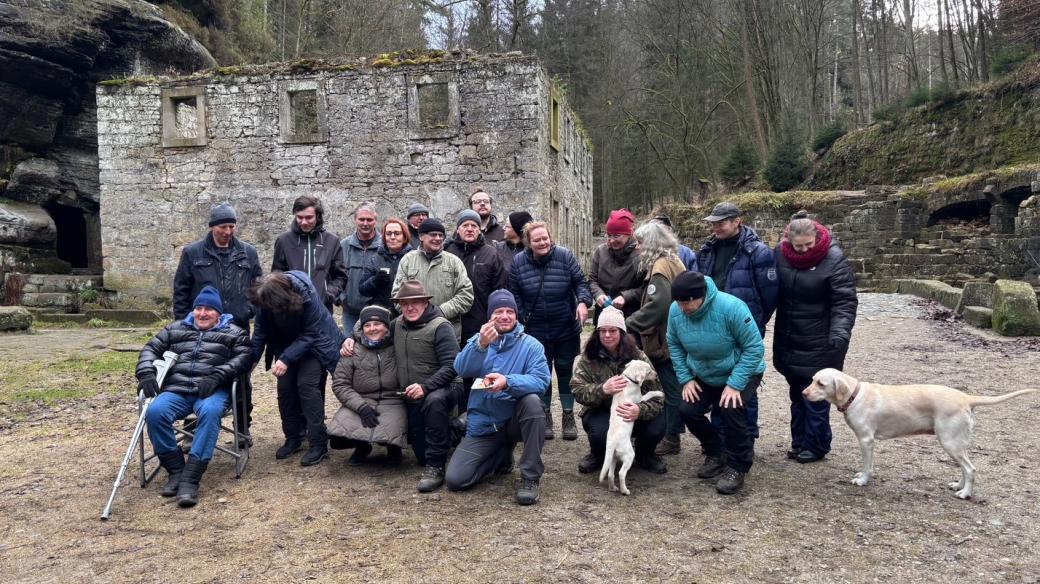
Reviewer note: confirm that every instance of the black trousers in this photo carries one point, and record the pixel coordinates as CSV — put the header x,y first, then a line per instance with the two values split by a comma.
x,y
647,433
739,448
301,401
429,425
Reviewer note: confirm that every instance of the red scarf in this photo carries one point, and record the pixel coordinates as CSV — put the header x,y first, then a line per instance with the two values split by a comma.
x,y
812,257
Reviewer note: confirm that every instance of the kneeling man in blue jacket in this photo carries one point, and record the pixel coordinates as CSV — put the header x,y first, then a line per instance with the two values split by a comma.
x,y
505,405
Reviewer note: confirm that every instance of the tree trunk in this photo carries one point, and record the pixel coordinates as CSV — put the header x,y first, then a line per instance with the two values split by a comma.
x,y
857,82
761,141
953,48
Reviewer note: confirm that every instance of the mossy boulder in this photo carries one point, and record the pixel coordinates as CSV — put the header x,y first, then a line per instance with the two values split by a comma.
x,y
976,294
1015,311
14,318
978,316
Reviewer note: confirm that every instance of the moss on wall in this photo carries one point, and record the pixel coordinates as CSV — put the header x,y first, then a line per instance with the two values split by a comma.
x,y
995,125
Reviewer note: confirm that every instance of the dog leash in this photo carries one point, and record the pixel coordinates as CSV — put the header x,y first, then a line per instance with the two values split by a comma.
x,y
844,407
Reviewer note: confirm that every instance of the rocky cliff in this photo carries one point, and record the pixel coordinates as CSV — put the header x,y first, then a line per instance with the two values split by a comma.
x,y
52,53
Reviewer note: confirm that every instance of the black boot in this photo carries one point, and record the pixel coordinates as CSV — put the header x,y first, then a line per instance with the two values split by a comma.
x,y
291,446
317,452
570,429
188,490
173,462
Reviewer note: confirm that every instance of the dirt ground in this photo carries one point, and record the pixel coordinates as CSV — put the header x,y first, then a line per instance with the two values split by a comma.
x,y
793,523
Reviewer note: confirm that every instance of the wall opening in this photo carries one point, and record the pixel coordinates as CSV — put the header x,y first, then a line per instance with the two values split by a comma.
x,y
967,214
434,109
184,116
304,106
71,228
301,116
554,121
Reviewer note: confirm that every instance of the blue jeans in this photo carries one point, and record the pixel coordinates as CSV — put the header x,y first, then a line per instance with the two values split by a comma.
x,y
168,407
349,320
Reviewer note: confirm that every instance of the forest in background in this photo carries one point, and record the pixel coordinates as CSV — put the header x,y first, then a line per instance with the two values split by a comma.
x,y
679,97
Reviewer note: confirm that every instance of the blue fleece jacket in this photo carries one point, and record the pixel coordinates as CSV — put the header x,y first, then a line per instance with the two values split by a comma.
x,y
518,356
719,343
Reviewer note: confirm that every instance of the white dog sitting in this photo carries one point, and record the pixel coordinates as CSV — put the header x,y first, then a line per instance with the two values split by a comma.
x,y
879,412
619,436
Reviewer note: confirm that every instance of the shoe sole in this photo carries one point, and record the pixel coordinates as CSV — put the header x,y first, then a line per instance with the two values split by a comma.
x,y
525,503
430,489
711,475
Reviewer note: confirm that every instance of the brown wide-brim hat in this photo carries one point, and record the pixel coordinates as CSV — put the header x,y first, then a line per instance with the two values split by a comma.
x,y
411,290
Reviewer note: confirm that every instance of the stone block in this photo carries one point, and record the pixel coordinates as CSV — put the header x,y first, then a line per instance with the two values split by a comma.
x,y
975,294
14,318
940,292
1015,311
978,316
141,317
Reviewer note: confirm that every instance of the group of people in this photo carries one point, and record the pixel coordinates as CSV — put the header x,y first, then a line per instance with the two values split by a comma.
x,y
450,340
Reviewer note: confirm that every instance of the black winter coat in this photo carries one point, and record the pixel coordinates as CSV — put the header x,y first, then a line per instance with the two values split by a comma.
x,y
815,315
222,351
317,254
379,288
201,266
484,268
547,292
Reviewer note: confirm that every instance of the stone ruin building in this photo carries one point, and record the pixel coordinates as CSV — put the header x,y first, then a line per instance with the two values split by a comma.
x,y
399,129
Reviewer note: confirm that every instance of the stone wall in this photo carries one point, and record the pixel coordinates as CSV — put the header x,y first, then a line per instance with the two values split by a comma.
x,y
976,227
368,144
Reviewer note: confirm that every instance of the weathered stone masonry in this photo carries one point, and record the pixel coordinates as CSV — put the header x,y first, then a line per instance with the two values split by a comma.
x,y
391,135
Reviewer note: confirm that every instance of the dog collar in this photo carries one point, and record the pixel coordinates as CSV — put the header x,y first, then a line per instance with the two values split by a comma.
x,y
844,407
630,379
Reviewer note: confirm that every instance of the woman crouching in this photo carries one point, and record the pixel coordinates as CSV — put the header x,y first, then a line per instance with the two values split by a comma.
x,y
366,384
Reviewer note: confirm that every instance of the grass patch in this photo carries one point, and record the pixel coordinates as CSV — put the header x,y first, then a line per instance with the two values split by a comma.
x,y
49,384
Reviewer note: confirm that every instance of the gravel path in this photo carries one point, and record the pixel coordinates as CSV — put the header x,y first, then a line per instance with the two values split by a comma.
x,y
332,523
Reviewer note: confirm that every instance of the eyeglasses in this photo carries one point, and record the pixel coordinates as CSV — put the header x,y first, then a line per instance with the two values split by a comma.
x,y
615,235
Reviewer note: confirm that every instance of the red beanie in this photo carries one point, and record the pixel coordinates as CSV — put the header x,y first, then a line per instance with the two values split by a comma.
x,y
620,221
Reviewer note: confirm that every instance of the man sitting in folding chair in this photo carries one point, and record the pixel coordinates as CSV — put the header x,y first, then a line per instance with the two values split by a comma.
x,y
212,352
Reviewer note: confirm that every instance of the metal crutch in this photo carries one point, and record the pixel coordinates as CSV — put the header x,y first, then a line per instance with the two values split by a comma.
x,y
161,367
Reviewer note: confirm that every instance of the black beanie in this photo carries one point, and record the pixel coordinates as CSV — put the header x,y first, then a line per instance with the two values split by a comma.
x,y
431,225
689,286
518,219
376,313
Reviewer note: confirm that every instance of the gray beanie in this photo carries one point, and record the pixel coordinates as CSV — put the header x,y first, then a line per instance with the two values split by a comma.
x,y
415,209
221,214
467,215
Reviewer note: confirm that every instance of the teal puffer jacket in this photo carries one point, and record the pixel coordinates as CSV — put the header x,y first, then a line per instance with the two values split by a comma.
x,y
719,343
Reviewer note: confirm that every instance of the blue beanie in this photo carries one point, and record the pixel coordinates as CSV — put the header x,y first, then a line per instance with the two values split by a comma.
x,y
209,297
499,299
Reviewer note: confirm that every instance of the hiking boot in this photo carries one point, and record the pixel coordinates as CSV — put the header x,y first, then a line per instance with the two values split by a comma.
x,y
668,445
173,462
730,482
806,456
188,489
589,463
548,425
291,446
570,430
527,494
432,479
712,467
360,454
314,455
793,453
652,463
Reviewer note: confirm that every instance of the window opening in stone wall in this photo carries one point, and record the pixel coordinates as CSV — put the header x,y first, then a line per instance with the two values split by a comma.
x,y
304,107
554,122
965,216
434,108
183,116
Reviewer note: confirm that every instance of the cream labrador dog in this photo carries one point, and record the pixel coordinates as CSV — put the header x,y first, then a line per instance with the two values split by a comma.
x,y
619,436
879,412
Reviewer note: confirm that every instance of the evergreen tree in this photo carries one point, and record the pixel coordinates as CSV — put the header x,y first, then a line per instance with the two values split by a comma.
x,y
787,164
740,166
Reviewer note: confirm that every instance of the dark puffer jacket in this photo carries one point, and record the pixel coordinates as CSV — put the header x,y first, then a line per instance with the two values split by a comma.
x,y
379,289
547,292
201,266
485,271
222,351
314,330
494,230
751,275
814,316
318,254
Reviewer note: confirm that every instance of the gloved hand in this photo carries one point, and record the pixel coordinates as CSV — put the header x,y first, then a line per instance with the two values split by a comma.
x,y
382,278
207,385
369,417
148,386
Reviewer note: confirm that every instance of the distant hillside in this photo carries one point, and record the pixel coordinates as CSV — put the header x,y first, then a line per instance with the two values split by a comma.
x,y
979,129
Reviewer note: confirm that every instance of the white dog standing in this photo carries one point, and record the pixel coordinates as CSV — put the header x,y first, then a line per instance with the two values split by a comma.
x,y
878,412
619,436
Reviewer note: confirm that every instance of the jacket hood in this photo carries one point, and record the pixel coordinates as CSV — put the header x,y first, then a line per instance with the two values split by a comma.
x,y
467,247
508,340
222,322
